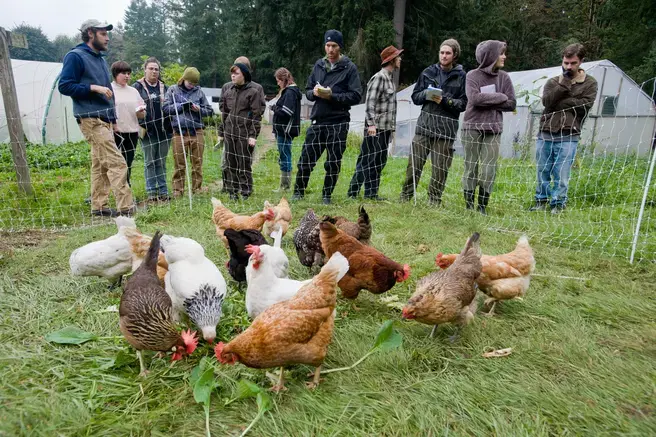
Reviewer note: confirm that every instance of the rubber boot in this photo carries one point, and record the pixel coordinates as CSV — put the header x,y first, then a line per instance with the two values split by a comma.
x,y
483,199
469,199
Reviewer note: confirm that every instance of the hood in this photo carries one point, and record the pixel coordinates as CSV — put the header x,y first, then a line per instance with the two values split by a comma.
x,y
294,90
86,48
487,54
341,63
435,69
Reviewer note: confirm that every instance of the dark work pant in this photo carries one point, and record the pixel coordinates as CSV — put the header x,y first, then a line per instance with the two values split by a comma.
x,y
320,137
370,164
127,143
237,167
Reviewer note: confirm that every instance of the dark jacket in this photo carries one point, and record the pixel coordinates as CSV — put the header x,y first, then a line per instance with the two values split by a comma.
x,y
82,68
567,104
344,81
157,124
287,113
241,110
179,99
485,110
440,121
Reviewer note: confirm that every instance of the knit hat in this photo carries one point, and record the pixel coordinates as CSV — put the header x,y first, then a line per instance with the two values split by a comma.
x,y
455,46
334,36
244,70
191,74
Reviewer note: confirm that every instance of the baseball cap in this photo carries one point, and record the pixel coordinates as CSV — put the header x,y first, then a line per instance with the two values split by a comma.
x,y
88,24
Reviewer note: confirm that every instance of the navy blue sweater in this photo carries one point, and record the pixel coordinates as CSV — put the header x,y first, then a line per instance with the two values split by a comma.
x,y
82,68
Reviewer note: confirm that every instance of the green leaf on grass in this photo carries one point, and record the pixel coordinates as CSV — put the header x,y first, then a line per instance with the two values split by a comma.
x,y
70,335
388,338
247,389
204,386
263,402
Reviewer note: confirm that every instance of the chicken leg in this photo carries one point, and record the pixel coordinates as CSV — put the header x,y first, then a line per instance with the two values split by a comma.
x,y
315,381
432,334
494,303
280,386
142,367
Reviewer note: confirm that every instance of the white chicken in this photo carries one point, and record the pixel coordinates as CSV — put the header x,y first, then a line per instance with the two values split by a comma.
x,y
194,283
277,256
264,287
110,258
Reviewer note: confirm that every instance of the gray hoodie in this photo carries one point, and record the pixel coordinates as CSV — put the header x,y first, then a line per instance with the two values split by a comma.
x,y
484,111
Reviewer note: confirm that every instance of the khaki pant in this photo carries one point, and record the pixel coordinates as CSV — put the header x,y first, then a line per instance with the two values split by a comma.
x,y
108,168
193,146
480,148
441,154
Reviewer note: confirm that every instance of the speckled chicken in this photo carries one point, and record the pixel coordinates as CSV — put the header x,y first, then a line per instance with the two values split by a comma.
x,y
145,312
448,295
306,240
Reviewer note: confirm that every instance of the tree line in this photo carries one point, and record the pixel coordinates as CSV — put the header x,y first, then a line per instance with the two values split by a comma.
x,y
210,34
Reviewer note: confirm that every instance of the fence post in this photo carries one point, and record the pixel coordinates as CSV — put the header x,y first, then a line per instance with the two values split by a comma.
x,y
14,122
645,192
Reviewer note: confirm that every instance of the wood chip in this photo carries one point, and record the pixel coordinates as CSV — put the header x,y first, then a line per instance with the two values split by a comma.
x,y
492,353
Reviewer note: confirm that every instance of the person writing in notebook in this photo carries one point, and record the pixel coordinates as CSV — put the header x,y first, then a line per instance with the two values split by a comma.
x,y
490,93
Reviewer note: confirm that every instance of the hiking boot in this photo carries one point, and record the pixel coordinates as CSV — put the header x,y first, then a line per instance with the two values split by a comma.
x,y
483,199
129,212
469,199
105,212
164,198
539,206
557,209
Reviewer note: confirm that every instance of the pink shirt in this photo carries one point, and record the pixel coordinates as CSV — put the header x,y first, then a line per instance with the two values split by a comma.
x,y
127,101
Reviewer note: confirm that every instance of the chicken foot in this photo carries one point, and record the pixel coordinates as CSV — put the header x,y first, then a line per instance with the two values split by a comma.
x,y
280,385
315,381
490,313
432,334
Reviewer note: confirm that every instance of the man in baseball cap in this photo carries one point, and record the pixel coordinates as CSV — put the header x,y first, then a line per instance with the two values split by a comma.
x,y
85,78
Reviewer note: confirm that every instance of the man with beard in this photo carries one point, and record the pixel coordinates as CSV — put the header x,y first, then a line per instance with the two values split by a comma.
x,y
85,78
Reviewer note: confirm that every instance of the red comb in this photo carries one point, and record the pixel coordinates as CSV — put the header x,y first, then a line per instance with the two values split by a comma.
x,y
252,249
190,340
218,351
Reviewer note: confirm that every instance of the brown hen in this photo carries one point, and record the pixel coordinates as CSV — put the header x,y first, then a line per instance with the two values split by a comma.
x,y
224,219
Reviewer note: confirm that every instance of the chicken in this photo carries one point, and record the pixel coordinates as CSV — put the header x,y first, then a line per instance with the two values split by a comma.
x,y
283,217
306,240
370,269
224,219
139,244
194,284
503,277
448,295
265,288
145,312
360,230
110,258
297,331
237,242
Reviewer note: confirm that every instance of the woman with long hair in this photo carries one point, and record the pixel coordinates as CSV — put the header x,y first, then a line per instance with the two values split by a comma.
x,y
286,122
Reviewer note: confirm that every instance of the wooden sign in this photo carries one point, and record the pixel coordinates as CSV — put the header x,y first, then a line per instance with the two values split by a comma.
x,y
18,40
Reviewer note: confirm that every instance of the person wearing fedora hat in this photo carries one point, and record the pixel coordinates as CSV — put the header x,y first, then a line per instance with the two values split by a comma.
x,y
85,78
380,123
437,125
334,86
186,103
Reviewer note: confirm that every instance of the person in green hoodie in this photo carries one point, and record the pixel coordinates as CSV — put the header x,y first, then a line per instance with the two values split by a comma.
x,y
490,93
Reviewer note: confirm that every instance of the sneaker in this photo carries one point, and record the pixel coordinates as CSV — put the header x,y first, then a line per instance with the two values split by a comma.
x,y
326,200
539,206
557,209
105,212
164,198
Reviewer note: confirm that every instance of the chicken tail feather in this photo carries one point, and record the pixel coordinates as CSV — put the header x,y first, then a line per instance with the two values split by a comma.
x,y
153,252
365,225
337,264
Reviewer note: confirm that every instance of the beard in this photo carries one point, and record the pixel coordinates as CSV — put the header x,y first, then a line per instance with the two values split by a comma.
x,y
97,45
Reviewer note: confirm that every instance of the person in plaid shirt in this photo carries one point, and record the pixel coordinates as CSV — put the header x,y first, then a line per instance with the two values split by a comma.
x,y
380,123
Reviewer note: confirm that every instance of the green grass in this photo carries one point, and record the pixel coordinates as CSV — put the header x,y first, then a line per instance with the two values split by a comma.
x,y
583,360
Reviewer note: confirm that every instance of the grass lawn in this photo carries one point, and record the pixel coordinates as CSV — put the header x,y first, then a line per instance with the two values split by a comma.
x,y
583,361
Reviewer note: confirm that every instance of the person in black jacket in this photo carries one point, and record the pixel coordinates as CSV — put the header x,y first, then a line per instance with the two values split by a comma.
x,y
437,125
286,122
334,86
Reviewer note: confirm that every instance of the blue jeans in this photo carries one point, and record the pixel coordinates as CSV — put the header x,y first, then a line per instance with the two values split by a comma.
x,y
285,150
554,160
155,152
